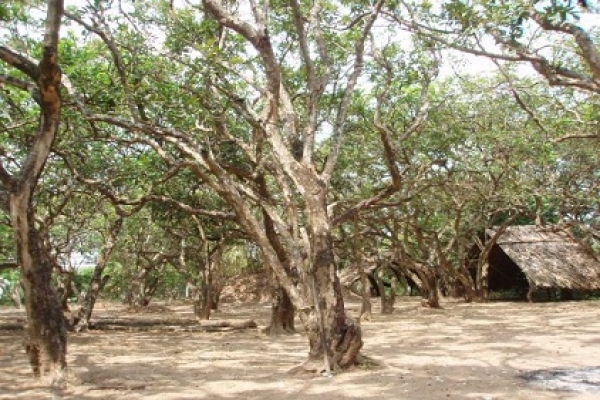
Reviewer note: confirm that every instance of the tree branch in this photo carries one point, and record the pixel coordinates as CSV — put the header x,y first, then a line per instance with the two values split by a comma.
x,y
117,59
589,51
338,128
50,100
18,83
21,62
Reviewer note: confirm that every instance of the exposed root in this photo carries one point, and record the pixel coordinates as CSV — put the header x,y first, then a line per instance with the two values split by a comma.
x,y
368,363
314,367
309,367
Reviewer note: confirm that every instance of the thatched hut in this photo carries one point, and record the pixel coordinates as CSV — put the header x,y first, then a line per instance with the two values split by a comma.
x,y
534,257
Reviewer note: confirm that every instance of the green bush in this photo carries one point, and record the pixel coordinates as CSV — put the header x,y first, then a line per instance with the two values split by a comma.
x,y
82,278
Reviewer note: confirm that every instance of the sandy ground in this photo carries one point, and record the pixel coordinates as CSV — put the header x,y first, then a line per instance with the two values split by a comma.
x,y
463,351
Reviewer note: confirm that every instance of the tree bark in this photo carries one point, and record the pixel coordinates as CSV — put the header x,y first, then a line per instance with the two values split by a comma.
x,y
282,313
84,315
365,307
387,299
45,337
366,313
482,281
124,324
203,305
46,334
16,294
335,339
209,290
97,282
433,297
65,289
467,283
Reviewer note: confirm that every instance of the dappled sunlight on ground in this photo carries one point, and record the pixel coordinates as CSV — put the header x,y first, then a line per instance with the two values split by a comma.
x,y
463,351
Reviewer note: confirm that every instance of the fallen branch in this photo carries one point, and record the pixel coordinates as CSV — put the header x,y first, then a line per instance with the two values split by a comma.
x,y
171,325
166,325
12,326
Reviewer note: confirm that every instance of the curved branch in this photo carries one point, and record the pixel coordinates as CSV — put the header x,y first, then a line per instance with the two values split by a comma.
x,y
117,59
589,51
21,62
18,83
259,39
190,209
337,135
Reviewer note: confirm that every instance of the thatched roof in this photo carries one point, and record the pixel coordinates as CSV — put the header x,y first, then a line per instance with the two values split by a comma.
x,y
550,258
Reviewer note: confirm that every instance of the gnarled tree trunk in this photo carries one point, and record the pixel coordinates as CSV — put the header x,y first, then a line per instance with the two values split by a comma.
x,y
46,334
208,298
84,314
65,289
334,338
45,337
387,299
282,312
432,295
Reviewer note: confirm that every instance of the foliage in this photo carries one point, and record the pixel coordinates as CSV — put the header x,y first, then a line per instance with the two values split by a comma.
x,y
13,276
163,124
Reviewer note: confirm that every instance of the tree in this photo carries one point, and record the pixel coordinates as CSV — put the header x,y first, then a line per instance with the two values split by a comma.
x,y
240,131
521,31
46,339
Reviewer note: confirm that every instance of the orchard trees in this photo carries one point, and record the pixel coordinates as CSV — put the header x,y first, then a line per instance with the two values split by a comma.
x,y
246,101
294,122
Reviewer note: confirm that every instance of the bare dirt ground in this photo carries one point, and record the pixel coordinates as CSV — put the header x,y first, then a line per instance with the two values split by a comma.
x,y
464,351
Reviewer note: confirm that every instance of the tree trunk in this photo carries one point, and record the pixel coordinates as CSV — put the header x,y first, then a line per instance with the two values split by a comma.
x,y
16,294
482,281
334,338
84,315
387,299
215,297
97,282
46,333
150,287
433,297
65,289
204,304
282,313
461,276
469,289
143,287
208,299
365,307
